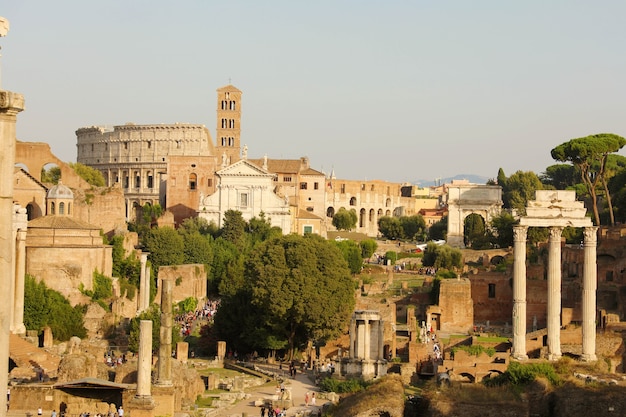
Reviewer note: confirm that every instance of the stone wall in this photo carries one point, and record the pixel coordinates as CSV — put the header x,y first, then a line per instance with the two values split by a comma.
x,y
455,302
64,269
188,281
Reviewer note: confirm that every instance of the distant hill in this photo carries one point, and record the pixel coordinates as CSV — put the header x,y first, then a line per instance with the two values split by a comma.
x,y
474,179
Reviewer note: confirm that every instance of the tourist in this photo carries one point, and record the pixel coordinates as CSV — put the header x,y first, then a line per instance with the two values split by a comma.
x,y
120,412
306,399
54,413
313,399
39,411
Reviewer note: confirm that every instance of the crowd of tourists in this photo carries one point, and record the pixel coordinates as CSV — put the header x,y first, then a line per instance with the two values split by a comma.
x,y
205,312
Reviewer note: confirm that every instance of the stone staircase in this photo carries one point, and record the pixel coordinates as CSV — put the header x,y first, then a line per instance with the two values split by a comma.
x,y
26,355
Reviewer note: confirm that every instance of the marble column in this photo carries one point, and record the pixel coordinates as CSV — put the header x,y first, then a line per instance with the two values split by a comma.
x,y
554,294
381,340
519,292
10,105
144,283
352,336
164,376
144,359
589,294
366,339
20,273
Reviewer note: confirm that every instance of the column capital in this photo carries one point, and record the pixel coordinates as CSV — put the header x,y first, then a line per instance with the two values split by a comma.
x,y
591,235
555,232
520,233
11,103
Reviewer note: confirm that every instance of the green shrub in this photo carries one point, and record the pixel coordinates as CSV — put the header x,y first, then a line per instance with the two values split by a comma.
x,y
444,273
518,374
341,387
475,350
102,286
391,256
46,307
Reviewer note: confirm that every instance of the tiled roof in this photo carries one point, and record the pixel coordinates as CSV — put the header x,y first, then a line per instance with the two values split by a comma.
x,y
60,222
303,214
311,171
291,166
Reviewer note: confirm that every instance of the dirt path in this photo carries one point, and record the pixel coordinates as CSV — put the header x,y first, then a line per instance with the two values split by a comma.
x,y
299,386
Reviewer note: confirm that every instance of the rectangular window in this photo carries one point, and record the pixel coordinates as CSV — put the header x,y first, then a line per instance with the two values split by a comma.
x,y
149,144
316,185
287,179
209,182
343,188
362,187
303,185
492,290
125,145
137,181
126,182
308,229
150,181
609,276
243,200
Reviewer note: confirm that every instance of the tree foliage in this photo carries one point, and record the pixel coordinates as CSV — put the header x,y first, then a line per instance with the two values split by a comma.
x,y
474,231
368,247
560,176
519,189
51,175
234,229
46,307
443,256
296,288
439,230
351,252
413,227
345,219
502,225
589,154
91,175
390,227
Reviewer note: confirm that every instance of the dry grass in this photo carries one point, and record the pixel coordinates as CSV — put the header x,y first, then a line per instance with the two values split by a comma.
x,y
388,393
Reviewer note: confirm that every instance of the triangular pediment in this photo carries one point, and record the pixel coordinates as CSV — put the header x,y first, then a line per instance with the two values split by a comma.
x,y
243,168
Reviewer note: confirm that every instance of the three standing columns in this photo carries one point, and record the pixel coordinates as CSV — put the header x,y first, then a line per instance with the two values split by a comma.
x,y
554,293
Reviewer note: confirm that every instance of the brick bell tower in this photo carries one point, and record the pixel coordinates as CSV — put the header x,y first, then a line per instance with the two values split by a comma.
x,y
228,132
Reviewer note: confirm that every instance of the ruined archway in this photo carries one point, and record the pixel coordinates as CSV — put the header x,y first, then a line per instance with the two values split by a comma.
x,y
466,199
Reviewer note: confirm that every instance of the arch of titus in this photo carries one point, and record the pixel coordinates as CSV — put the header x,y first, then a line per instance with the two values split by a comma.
x,y
555,209
466,199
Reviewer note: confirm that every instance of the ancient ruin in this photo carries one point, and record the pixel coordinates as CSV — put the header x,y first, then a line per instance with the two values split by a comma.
x,y
554,209
366,356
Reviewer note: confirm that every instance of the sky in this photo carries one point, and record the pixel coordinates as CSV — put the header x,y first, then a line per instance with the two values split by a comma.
x,y
397,90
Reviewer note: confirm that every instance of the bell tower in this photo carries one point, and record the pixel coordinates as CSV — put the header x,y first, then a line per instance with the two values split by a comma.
x,y
228,130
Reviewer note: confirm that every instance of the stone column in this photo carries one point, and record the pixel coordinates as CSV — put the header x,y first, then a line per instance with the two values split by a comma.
x,y
589,294
381,341
165,349
18,303
10,105
554,294
144,283
352,336
144,362
519,292
366,338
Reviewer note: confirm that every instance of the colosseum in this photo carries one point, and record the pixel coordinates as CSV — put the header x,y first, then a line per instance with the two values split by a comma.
x,y
136,156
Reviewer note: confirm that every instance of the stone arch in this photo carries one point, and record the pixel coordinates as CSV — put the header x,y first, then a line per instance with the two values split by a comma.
x,y
473,223
353,201
469,376
372,216
466,199
362,217
330,212
388,213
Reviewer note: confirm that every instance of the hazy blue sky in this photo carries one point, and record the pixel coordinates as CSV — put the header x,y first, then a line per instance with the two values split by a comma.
x,y
395,90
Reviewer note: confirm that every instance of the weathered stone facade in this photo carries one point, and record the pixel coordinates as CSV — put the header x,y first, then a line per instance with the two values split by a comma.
x,y
135,156
189,281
